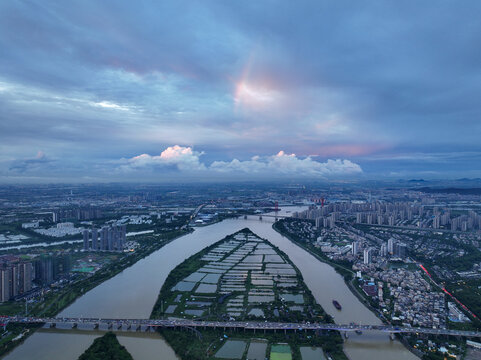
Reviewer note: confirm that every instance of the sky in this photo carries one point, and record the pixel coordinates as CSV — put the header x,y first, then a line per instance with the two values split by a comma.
x,y
239,90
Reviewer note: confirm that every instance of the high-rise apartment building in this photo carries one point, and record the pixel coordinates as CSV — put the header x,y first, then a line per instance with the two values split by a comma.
x,y
111,238
367,256
95,239
15,279
355,248
390,246
400,250
86,239
384,250
5,282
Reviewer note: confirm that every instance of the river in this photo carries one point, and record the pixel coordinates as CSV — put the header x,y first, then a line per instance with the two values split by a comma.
x,y
133,292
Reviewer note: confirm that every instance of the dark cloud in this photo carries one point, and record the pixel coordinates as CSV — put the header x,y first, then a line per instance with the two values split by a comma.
x,y
33,164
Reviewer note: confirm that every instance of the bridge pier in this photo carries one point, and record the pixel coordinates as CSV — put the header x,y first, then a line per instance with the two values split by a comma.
x,y
129,326
74,325
138,328
96,326
52,325
109,326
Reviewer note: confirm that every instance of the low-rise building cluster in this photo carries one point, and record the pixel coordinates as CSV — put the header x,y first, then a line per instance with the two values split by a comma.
x,y
414,300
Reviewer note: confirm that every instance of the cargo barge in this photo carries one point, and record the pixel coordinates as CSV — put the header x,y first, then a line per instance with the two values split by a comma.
x,y
336,304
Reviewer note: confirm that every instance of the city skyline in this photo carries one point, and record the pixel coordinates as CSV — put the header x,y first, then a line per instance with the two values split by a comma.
x,y
394,261
97,92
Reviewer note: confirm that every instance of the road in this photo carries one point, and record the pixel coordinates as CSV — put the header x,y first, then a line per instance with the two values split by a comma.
x,y
243,325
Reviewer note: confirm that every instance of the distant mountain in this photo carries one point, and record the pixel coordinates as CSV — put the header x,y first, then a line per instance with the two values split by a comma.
x,y
469,180
404,181
450,190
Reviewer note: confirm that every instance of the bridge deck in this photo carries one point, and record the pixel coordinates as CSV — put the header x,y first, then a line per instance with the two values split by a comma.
x,y
247,325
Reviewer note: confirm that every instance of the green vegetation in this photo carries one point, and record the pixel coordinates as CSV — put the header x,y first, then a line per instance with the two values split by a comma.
x,y
106,347
203,346
14,335
463,263
11,307
469,293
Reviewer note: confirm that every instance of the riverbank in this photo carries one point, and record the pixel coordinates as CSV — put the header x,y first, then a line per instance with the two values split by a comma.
x,y
349,278
59,301
341,270
55,302
347,274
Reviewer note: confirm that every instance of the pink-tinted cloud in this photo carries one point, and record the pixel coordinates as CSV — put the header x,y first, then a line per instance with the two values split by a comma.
x,y
187,160
179,157
288,164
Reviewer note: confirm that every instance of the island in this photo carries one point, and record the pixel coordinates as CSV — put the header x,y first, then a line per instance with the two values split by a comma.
x,y
106,347
242,278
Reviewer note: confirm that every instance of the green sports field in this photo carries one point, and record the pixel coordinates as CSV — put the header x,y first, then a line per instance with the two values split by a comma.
x,y
280,352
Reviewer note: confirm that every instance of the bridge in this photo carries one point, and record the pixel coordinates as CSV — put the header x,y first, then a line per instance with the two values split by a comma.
x,y
137,324
276,217
196,211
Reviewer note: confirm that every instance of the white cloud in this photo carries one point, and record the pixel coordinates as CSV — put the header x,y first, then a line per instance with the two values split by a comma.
x,y
110,105
249,166
185,159
178,157
288,164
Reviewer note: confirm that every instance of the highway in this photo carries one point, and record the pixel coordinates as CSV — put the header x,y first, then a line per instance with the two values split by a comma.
x,y
242,325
